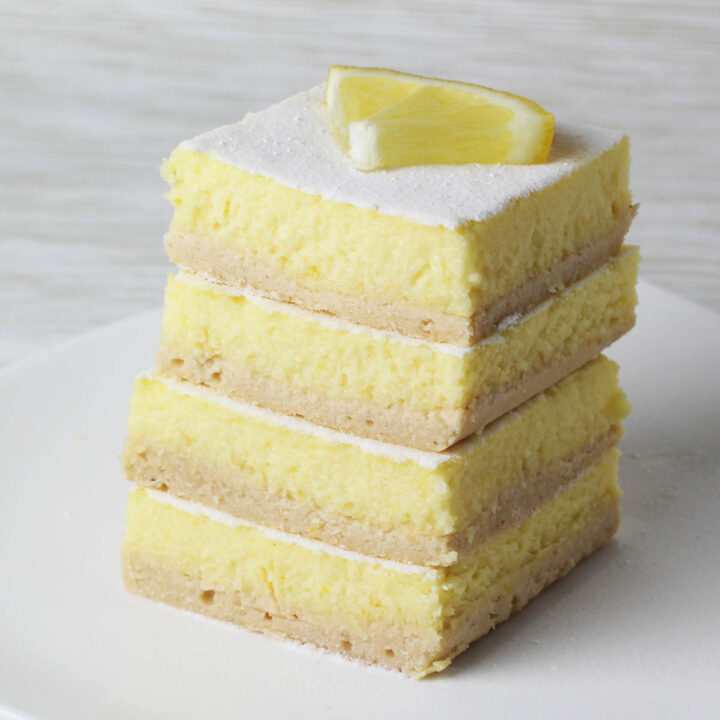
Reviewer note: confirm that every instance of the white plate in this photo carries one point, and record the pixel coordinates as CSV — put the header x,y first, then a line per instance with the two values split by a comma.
x,y
633,632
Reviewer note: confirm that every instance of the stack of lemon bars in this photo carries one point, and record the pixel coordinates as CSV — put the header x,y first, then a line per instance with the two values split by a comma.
x,y
379,421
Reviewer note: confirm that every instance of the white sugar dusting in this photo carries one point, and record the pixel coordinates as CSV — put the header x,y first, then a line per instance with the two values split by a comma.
x,y
291,143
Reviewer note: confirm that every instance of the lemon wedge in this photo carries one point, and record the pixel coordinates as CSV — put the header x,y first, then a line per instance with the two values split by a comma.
x,y
386,119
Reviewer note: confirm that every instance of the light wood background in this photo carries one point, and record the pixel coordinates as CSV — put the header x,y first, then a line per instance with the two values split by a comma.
x,y
93,94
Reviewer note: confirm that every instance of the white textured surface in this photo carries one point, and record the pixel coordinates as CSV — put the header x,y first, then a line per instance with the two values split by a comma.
x,y
397,453
315,546
292,142
95,94
631,633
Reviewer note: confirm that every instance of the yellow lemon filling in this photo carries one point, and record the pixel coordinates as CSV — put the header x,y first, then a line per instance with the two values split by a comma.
x,y
324,244
375,487
304,352
294,578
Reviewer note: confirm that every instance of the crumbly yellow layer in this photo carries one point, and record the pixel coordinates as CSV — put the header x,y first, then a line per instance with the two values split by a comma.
x,y
323,244
499,563
289,577
553,425
299,351
374,489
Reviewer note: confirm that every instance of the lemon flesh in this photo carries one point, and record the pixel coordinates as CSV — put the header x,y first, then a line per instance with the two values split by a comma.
x,y
385,119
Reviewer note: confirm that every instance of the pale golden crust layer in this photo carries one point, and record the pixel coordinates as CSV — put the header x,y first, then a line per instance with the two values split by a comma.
x,y
410,649
225,265
218,487
433,430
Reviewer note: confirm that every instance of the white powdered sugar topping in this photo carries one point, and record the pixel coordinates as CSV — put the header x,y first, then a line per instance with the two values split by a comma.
x,y
291,142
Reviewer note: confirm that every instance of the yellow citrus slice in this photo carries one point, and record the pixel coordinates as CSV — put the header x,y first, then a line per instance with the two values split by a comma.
x,y
386,119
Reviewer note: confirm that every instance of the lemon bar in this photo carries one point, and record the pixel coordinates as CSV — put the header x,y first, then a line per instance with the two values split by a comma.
x,y
409,617
382,500
443,252
383,385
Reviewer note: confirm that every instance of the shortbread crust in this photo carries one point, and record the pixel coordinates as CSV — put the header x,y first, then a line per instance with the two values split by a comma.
x,y
228,266
409,649
198,481
431,430
370,496
381,385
